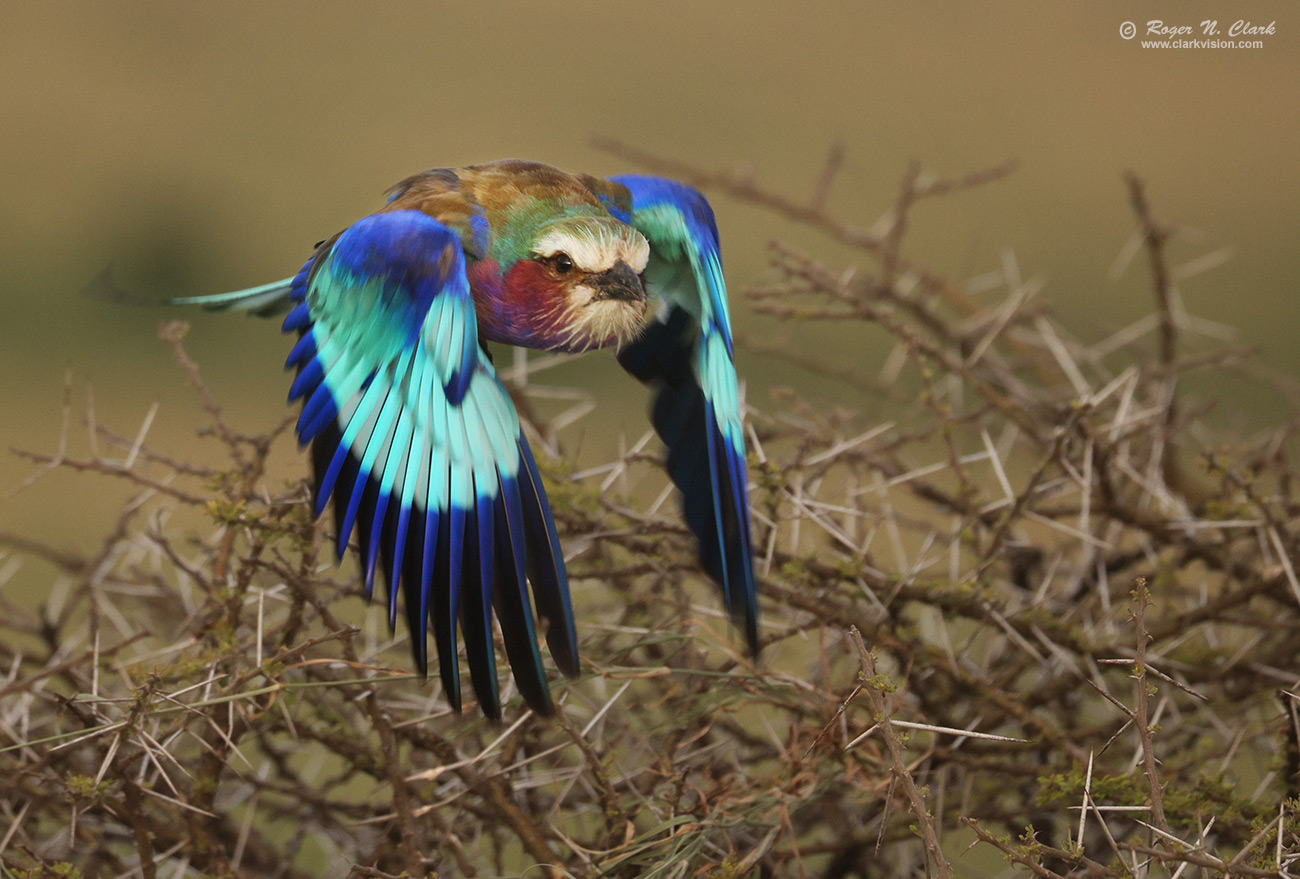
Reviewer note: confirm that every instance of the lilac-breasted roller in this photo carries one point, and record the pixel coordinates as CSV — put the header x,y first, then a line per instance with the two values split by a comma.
x,y
416,440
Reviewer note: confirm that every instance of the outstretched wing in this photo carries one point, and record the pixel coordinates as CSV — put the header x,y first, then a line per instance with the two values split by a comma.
x,y
687,355
417,442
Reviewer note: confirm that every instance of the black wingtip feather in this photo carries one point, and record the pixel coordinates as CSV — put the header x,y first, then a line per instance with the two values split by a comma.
x,y
409,578
510,600
444,625
366,512
475,623
435,609
546,567
322,451
662,357
736,544
509,544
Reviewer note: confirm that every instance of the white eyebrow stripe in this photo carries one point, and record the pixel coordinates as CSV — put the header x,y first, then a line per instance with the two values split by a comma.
x,y
596,251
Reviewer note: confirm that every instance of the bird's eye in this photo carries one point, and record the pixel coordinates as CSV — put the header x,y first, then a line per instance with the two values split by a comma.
x,y
562,264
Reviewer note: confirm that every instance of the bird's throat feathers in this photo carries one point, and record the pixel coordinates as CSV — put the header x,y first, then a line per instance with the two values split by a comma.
x,y
517,306
526,306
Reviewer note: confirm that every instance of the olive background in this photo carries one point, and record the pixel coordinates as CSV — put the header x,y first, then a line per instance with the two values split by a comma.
x,y
198,147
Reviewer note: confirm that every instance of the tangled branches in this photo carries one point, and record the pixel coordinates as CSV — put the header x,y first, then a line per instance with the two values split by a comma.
x,y
1030,609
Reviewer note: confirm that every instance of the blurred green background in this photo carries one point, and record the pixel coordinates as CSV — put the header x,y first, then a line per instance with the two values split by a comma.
x,y
198,147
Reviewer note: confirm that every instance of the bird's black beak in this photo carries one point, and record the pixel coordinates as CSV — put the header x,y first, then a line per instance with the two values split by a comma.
x,y
620,282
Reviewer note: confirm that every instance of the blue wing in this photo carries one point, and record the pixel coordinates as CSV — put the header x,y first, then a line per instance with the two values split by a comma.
x,y
687,356
417,442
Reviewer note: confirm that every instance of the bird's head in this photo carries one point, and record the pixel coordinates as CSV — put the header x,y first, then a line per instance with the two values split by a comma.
x,y
594,268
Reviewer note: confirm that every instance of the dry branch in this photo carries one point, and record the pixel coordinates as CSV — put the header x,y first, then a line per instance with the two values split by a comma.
x,y
199,695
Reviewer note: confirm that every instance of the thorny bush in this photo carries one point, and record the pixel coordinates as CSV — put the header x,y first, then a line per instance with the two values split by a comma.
x,y
1026,610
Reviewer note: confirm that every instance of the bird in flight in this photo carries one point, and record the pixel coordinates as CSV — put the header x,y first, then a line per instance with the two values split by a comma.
x,y
415,440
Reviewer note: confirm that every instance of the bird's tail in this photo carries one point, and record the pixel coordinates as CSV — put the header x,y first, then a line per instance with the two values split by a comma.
x,y
264,301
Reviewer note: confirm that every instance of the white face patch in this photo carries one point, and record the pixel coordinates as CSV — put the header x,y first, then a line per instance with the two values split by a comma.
x,y
596,248
586,321
581,295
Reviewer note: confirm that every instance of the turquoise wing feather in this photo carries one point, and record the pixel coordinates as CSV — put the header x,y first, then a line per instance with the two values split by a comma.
x,y
687,356
417,443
